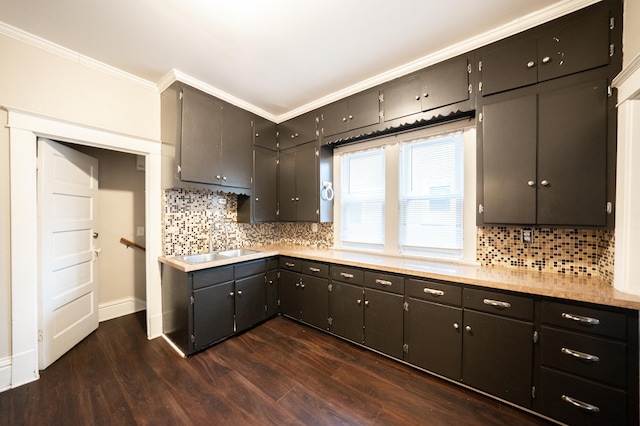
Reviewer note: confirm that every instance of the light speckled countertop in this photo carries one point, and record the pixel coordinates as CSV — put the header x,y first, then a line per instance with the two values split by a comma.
x,y
571,287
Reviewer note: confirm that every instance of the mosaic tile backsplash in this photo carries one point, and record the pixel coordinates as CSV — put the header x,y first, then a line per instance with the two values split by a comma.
x,y
189,214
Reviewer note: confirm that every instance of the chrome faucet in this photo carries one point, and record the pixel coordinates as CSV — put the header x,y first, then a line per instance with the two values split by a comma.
x,y
226,233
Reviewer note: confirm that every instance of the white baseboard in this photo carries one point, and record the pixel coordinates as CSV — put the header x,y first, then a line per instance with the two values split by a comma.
x,y
5,374
118,308
155,326
23,368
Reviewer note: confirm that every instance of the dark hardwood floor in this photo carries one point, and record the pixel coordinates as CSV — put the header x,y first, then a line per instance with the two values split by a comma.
x,y
280,372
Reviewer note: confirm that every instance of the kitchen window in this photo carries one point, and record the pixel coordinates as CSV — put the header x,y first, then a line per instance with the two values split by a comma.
x,y
410,195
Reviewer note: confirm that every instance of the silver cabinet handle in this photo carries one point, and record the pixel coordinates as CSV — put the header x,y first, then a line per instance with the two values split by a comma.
x,y
301,285
544,182
531,64
366,303
312,269
344,119
497,303
433,291
580,404
531,183
289,264
384,282
546,60
417,97
581,319
239,292
580,355
297,284
359,301
231,294
468,328
292,199
345,275
456,325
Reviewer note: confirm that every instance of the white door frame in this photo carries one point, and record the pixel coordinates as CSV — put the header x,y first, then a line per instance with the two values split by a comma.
x,y
24,129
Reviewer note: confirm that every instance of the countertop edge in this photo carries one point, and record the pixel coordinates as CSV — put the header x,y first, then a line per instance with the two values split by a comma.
x,y
548,284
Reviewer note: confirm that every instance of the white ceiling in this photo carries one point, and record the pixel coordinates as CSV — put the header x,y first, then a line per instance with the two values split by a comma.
x,y
277,58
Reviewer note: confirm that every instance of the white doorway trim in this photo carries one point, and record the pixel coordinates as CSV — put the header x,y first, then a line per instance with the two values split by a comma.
x,y
24,129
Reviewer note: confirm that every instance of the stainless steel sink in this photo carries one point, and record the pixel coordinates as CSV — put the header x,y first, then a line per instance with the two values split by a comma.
x,y
216,255
237,252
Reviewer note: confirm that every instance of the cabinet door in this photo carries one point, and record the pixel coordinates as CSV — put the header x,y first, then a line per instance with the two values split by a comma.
x,y
335,118
434,336
346,310
314,300
572,156
288,286
497,356
445,84
298,130
250,301
509,161
578,46
265,133
383,322
264,197
307,185
364,109
213,310
201,140
287,186
272,293
510,66
237,142
402,98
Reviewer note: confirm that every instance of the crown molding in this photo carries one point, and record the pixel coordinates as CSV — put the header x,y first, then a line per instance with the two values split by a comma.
x,y
517,26
74,56
175,75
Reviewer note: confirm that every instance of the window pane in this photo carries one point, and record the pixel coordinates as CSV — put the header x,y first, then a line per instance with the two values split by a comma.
x,y
362,195
431,193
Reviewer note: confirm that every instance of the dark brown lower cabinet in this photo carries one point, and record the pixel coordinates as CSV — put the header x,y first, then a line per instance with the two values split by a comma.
x,y
497,356
346,311
305,298
249,299
383,321
272,293
213,309
434,337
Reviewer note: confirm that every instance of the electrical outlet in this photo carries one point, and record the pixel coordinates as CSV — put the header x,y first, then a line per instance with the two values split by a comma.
x,y
527,235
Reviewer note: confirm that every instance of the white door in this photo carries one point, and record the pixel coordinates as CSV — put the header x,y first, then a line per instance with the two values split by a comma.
x,y
67,206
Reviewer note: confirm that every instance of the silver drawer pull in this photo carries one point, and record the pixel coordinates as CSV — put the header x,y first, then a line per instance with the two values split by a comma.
x,y
581,319
384,282
433,291
290,265
580,355
497,303
580,404
312,269
345,275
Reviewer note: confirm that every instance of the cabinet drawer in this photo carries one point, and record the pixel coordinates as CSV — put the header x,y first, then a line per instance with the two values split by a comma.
x,y
290,263
435,292
347,275
576,401
247,269
316,269
212,276
386,282
591,357
498,303
586,319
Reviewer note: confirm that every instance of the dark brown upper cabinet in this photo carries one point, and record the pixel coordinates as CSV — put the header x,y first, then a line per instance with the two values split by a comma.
x,y
265,133
544,158
298,130
442,84
578,42
354,112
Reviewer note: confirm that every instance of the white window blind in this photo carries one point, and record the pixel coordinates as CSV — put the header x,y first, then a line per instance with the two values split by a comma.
x,y
431,194
363,199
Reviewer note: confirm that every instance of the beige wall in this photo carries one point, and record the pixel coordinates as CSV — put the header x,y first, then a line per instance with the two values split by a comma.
x,y
631,32
36,80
